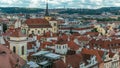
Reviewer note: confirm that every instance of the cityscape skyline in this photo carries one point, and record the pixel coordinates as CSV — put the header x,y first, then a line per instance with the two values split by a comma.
x,y
90,4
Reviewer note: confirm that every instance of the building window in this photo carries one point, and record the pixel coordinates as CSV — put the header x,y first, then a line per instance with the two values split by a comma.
x,y
38,32
24,31
32,32
59,47
14,49
63,47
22,50
55,24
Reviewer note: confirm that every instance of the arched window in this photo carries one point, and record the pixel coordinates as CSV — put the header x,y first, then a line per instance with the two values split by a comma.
x,y
14,49
22,50
38,32
32,32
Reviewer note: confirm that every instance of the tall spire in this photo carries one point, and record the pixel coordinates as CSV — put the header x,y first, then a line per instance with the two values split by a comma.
x,y
46,12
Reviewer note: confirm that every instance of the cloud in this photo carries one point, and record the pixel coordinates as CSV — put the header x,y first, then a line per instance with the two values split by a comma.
x,y
60,3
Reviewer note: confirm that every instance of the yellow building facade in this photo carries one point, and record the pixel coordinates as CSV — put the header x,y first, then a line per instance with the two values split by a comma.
x,y
39,26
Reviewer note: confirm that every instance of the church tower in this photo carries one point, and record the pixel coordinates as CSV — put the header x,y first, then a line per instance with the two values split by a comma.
x,y
18,43
47,16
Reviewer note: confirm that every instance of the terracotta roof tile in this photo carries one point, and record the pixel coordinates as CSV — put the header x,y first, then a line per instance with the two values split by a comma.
x,y
92,33
44,44
83,38
59,64
17,33
72,45
61,41
38,23
8,59
31,44
92,52
74,62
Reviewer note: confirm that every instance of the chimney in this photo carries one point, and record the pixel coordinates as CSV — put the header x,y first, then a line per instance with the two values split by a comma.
x,y
68,37
64,59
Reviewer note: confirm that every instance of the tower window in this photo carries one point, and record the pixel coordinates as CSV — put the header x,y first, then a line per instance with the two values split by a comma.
x,y
14,49
22,50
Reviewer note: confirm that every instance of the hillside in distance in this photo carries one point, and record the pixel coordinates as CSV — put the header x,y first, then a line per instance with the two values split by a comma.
x,y
113,10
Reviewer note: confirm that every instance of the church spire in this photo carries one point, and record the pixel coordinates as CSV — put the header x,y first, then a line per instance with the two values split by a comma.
x,y
46,11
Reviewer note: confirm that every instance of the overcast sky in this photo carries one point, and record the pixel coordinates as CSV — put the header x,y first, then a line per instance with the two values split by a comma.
x,y
60,3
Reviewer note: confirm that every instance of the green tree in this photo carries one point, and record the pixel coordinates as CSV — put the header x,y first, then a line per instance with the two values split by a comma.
x,y
94,30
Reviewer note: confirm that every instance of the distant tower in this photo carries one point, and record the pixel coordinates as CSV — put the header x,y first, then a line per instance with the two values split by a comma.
x,y
47,16
46,11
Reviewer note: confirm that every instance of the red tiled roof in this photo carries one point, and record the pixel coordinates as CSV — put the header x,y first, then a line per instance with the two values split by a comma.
x,y
9,32
30,45
92,52
17,33
92,33
38,23
61,41
64,37
8,59
104,43
86,28
74,60
44,44
76,34
38,37
40,26
83,38
72,45
59,64
29,57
